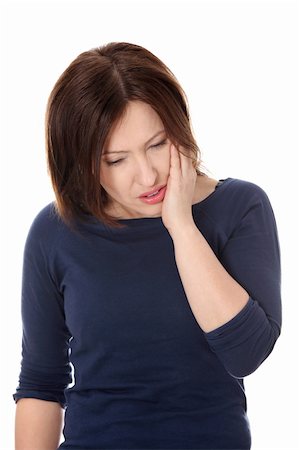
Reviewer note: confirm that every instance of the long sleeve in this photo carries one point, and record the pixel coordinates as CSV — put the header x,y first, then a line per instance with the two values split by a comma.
x,y
252,256
45,369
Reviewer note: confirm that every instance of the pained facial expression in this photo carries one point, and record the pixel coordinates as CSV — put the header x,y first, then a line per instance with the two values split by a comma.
x,y
135,161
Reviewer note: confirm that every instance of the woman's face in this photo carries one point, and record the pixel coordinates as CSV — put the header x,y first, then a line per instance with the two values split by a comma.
x,y
135,161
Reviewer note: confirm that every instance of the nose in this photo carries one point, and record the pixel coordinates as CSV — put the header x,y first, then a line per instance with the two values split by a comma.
x,y
146,174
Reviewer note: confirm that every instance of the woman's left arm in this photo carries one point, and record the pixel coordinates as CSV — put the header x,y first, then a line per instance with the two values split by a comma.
x,y
235,299
235,296
213,294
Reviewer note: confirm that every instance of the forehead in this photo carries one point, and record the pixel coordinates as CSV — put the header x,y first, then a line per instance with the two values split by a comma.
x,y
139,123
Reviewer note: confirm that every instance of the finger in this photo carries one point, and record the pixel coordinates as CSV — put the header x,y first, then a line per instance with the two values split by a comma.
x,y
175,157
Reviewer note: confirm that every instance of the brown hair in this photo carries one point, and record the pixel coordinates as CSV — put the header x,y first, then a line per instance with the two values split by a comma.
x,y
86,103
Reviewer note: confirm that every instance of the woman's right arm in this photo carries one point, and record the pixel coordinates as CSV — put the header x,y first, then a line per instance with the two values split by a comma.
x,y
38,424
45,367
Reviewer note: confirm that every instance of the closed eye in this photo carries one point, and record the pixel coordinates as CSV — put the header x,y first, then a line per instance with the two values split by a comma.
x,y
110,163
159,144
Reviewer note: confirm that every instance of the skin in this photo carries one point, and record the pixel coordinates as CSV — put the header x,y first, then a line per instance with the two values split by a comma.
x,y
38,424
176,206
144,166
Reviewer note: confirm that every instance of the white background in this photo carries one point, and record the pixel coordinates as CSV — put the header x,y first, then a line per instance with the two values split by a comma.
x,y
238,63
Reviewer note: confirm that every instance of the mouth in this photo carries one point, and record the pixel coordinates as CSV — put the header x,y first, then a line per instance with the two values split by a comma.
x,y
155,197
152,193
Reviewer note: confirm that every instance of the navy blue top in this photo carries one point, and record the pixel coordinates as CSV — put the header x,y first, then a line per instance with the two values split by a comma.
x,y
109,334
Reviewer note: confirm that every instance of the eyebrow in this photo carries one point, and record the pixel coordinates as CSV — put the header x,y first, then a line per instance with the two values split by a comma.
x,y
126,151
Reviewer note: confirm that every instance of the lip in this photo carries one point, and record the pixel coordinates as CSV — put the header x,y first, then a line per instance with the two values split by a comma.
x,y
152,191
158,198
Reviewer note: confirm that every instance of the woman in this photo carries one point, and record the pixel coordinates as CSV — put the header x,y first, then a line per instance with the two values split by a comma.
x,y
149,289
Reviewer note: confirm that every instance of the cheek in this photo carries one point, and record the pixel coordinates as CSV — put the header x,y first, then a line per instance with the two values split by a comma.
x,y
107,179
103,177
114,181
